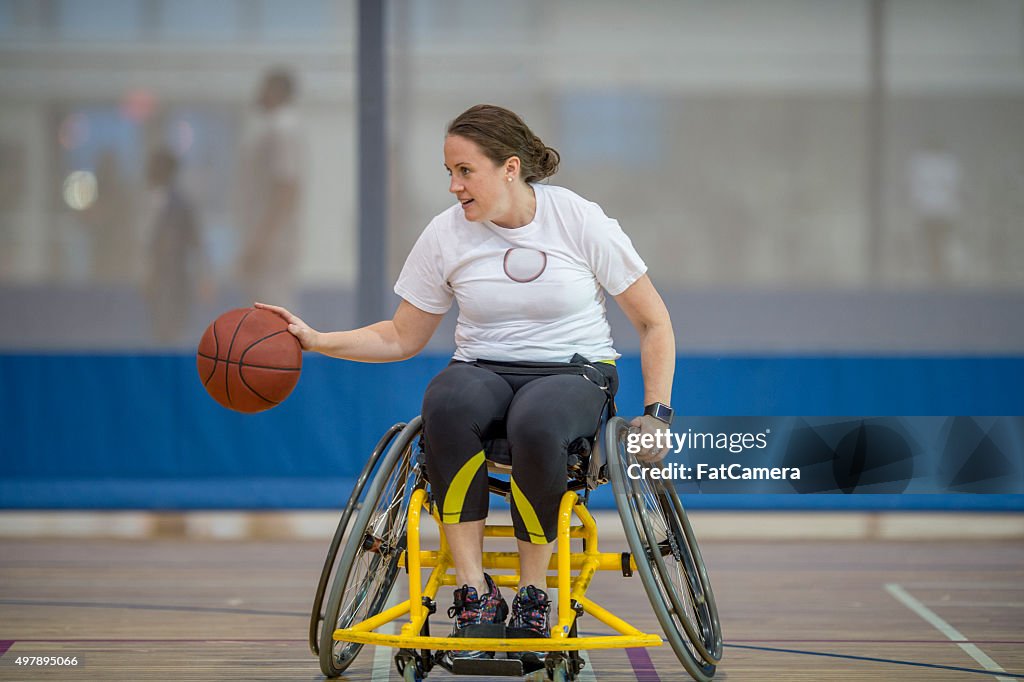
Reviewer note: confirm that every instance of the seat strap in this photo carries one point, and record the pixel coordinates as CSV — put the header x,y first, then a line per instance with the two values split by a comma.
x,y
578,365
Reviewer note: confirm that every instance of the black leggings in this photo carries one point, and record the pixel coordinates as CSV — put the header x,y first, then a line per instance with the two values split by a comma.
x,y
540,416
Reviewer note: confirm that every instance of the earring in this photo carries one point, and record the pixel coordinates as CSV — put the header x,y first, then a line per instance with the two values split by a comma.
x,y
510,178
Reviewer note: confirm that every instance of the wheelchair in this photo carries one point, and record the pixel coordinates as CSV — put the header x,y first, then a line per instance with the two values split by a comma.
x,y
378,538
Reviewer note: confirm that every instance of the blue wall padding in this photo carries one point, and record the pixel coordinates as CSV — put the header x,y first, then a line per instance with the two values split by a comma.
x,y
138,431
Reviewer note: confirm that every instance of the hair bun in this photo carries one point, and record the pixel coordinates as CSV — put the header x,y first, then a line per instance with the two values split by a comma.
x,y
547,161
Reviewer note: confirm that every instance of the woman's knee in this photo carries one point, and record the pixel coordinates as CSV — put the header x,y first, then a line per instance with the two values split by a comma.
x,y
536,432
462,393
553,415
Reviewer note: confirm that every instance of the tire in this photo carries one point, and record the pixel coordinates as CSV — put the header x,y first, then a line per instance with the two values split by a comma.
x,y
351,508
681,568
368,567
677,587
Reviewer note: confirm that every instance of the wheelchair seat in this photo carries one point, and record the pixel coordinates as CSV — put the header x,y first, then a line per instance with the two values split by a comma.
x,y
498,454
583,465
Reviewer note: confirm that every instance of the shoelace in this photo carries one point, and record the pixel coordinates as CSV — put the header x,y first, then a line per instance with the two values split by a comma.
x,y
462,604
533,610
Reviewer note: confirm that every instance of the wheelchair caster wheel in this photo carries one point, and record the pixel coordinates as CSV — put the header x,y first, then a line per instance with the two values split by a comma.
x,y
410,666
559,668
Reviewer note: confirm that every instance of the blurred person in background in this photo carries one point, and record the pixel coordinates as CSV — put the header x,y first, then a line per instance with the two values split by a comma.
x,y
109,221
269,188
12,192
176,264
935,192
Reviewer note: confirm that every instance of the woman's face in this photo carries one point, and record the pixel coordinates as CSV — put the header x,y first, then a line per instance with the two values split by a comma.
x,y
480,185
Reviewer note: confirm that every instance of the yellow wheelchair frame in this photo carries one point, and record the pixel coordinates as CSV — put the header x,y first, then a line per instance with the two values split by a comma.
x,y
699,650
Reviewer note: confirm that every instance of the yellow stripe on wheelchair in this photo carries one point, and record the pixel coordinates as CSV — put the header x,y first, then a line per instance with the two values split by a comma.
x,y
493,644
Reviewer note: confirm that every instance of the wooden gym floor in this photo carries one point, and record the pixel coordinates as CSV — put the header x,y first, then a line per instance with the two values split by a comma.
x,y
791,610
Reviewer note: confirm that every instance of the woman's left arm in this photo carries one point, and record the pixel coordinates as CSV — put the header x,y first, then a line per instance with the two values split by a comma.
x,y
645,309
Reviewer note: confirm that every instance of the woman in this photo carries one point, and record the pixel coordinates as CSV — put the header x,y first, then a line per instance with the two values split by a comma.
x,y
528,264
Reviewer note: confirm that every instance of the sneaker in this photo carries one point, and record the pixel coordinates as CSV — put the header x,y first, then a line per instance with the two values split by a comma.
x,y
476,616
530,609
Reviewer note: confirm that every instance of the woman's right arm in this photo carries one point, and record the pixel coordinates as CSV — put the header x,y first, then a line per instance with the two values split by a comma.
x,y
399,338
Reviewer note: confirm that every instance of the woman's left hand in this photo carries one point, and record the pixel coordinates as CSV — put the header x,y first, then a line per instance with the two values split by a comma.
x,y
308,337
646,424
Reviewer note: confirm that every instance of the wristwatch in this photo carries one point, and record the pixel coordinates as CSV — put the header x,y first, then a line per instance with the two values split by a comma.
x,y
660,411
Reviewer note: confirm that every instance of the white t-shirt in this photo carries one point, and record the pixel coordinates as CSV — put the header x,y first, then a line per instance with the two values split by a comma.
x,y
534,292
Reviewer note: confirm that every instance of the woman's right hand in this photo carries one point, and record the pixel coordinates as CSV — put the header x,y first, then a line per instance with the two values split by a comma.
x,y
308,337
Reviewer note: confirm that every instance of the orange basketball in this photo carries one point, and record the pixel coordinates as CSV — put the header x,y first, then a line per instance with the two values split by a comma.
x,y
248,361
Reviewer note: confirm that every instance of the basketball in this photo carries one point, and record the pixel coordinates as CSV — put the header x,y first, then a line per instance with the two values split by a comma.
x,y
248,361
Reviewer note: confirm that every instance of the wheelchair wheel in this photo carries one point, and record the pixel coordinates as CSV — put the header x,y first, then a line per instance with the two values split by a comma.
x,y
667,559
351,508
368,567
681,567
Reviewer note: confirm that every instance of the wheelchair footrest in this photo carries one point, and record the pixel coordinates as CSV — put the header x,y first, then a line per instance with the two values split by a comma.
x,y
497,667
496,630
399,641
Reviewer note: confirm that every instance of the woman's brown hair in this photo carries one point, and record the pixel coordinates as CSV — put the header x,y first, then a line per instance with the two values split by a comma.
x,y
501,134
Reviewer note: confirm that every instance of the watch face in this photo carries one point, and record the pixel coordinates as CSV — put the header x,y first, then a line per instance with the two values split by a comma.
x,y
660,411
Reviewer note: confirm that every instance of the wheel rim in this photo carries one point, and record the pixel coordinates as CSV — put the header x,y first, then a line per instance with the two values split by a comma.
x,y
633,512
376,562
350,512
368,568
680,571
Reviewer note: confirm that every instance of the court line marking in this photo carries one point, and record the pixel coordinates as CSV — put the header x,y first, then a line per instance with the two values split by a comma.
x,y
643,666
833,640
964,586
729,645
279,640
945,628
587,674
382,654
982,604
150,607
871,641
872,659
